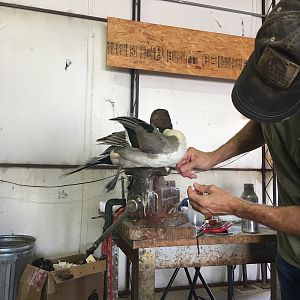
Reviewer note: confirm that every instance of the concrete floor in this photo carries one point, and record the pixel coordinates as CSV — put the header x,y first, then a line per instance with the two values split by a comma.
x,y
253,292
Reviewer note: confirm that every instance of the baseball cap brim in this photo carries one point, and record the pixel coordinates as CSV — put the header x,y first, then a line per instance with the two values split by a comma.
x,y
259,101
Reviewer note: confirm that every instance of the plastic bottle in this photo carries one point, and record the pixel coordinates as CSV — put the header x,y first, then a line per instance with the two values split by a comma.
x,y
248,194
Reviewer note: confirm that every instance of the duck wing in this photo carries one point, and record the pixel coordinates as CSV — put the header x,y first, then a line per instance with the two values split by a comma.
x,y
143,135
131,124
117,139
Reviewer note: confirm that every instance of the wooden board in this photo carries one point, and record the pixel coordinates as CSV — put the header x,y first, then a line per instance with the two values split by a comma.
x,y
152,47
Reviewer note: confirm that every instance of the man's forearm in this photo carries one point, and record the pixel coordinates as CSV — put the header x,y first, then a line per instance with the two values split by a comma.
x,y
248,138
281,218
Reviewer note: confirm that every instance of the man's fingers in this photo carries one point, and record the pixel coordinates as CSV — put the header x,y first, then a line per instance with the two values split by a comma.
x,y
184,168
187,167
197,206
188,174
202,188
180,164
190,191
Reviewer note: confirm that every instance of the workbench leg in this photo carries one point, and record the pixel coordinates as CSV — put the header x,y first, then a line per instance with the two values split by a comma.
x,y
192,290
264,277
164,295
245,276
209,292
190,281
112,277
143,275
230,279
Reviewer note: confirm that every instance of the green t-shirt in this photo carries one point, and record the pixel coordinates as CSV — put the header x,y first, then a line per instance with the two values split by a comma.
x,y
283,140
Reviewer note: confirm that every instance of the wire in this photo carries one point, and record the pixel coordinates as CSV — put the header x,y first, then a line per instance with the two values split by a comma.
x,y
93,181
216,7
269,9
239,157
221,166
56,186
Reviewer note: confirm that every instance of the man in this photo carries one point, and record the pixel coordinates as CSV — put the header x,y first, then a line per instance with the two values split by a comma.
x,y
268,93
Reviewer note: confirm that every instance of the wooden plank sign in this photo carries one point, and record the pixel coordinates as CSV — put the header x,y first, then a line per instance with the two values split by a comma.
x,y
145,46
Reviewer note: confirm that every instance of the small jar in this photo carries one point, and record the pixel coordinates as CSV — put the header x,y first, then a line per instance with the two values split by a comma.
x,y
249,226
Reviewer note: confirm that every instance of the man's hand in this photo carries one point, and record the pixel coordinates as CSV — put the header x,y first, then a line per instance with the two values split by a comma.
x,y
195,160
211,200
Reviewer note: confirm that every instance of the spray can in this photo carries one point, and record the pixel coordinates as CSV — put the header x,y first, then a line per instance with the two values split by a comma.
x,y
248,194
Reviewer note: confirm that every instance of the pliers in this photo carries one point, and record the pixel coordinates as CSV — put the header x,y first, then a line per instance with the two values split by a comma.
x,y
212,227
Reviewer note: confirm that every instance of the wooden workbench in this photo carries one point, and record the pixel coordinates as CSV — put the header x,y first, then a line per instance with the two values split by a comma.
x,y
151,254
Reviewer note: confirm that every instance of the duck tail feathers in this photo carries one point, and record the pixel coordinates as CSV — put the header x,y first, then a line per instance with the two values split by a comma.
x,y
104,158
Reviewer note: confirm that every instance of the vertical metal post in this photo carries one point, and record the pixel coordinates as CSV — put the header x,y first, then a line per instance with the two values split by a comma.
x,y
274,188
134,74
263,168
263,9
134,107
263,173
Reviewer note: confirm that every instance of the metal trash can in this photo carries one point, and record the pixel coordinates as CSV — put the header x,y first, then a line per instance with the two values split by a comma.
x,y
15,253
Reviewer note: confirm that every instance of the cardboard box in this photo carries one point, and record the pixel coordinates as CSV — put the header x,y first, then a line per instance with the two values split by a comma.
x,y
75,283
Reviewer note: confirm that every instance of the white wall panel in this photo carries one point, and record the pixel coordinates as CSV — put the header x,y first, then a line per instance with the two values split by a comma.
x,y
102,8
113,8
110,91
42,104
60,218
202,109
194,17
53,216
51,108
74,6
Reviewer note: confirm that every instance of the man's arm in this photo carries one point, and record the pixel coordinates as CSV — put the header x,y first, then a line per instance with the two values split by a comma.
x,y
248,138
281,218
